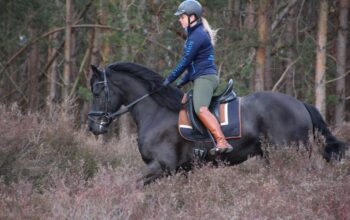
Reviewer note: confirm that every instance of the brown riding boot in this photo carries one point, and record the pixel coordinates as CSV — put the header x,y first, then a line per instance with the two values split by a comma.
x,y
209,121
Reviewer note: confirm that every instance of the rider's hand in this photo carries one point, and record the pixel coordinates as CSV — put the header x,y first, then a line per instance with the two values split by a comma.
x,y
165,82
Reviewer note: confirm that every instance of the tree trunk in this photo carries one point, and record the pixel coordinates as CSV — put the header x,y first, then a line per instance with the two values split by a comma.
x,y
33,75
290,42
250,16
106,46
96,58
268,59
73,58
52,72
67,52
126,29
262,41
234,14
320,76
124,121
249,27
153,34
341,61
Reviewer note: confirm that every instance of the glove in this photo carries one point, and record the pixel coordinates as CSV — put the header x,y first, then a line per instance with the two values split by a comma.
x,y
166,82
179,84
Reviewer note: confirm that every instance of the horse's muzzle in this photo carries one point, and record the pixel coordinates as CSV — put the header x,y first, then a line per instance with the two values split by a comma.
x,y
97,130
98,123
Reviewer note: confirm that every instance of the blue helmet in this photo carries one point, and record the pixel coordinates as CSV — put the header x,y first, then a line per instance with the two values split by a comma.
x,y
190,7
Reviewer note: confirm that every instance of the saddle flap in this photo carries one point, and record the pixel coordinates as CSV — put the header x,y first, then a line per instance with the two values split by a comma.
x,y
195,121
229,119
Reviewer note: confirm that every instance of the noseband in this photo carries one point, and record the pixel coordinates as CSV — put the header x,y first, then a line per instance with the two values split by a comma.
x,y
108,117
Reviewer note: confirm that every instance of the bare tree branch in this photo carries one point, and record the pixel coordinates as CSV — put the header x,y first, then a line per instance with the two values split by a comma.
x,y
32,42
161,46
18,89
81,69
338,78
35,40
283,13
284,75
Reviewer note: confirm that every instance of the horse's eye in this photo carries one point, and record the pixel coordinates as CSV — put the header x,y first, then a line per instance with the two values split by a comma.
x,y
97,91
96,94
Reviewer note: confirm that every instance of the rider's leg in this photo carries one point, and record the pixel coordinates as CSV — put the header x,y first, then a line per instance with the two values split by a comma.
x,y
203,90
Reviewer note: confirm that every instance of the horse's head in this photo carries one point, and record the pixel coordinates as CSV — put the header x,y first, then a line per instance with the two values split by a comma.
x,y
125,83
107,98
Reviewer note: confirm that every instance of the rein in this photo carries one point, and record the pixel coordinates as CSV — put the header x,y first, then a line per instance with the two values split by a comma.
x,y
109,117
126,109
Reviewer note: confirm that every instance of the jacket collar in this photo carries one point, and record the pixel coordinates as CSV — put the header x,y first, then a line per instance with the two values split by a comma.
x,y
191,29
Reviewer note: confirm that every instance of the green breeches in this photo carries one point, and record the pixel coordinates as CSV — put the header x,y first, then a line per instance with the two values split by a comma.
x,y
203,90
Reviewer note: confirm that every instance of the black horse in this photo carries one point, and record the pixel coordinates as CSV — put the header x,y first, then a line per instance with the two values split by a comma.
x,y
128,87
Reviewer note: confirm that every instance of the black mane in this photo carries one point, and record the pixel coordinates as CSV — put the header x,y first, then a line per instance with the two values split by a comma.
x,y
169,97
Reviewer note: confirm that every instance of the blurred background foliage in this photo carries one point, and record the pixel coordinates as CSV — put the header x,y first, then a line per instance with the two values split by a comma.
x,y
147,32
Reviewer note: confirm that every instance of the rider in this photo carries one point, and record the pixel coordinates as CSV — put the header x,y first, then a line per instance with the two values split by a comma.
x,y
198,59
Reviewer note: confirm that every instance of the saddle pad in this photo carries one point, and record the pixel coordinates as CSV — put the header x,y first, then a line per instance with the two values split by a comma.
x,y
230,121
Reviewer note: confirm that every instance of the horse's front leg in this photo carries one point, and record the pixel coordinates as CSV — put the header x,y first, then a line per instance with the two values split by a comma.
x,y
158,149
150,172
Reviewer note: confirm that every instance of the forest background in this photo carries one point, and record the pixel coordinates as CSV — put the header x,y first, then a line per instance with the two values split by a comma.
x,y
51,167
297,47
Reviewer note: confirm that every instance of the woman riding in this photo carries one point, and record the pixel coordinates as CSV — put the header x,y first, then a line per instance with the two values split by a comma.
x,y
198,60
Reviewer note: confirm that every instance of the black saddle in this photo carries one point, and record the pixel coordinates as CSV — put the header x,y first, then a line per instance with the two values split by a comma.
x,y
226,96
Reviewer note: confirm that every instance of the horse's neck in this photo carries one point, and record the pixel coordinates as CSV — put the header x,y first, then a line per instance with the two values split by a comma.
x,y
147,110
143,111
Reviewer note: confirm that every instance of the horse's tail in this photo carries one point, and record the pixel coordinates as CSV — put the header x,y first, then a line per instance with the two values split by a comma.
x,y
334,147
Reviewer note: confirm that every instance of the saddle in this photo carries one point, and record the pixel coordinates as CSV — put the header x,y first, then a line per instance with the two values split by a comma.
x,y
225,107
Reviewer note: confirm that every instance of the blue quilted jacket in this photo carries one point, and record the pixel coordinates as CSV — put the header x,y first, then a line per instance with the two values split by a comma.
x,y
198,57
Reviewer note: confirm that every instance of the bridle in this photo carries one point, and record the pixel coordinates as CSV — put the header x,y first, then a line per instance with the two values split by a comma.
x,y
108,117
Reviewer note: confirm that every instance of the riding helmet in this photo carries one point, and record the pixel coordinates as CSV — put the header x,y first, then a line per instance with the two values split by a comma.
x,y
189,7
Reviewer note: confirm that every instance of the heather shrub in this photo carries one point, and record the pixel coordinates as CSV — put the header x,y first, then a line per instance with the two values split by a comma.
x,y
343,132
58,171
35,147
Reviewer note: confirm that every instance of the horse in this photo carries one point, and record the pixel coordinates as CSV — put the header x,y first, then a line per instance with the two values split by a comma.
x,y
123,87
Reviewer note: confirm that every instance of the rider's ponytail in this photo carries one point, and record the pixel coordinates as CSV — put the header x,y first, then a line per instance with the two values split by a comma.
x,y
212,32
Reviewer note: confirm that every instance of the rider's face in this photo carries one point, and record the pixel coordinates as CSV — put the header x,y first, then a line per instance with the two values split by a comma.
x,y
183,19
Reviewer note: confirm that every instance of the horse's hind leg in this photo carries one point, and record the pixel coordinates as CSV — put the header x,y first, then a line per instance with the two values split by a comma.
x,y
150,172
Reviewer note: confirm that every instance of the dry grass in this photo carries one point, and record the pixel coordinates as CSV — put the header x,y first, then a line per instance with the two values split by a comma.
x,y
50,170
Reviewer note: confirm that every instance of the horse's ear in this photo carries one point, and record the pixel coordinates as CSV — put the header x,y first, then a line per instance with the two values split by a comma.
x,y
96,75
95,69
